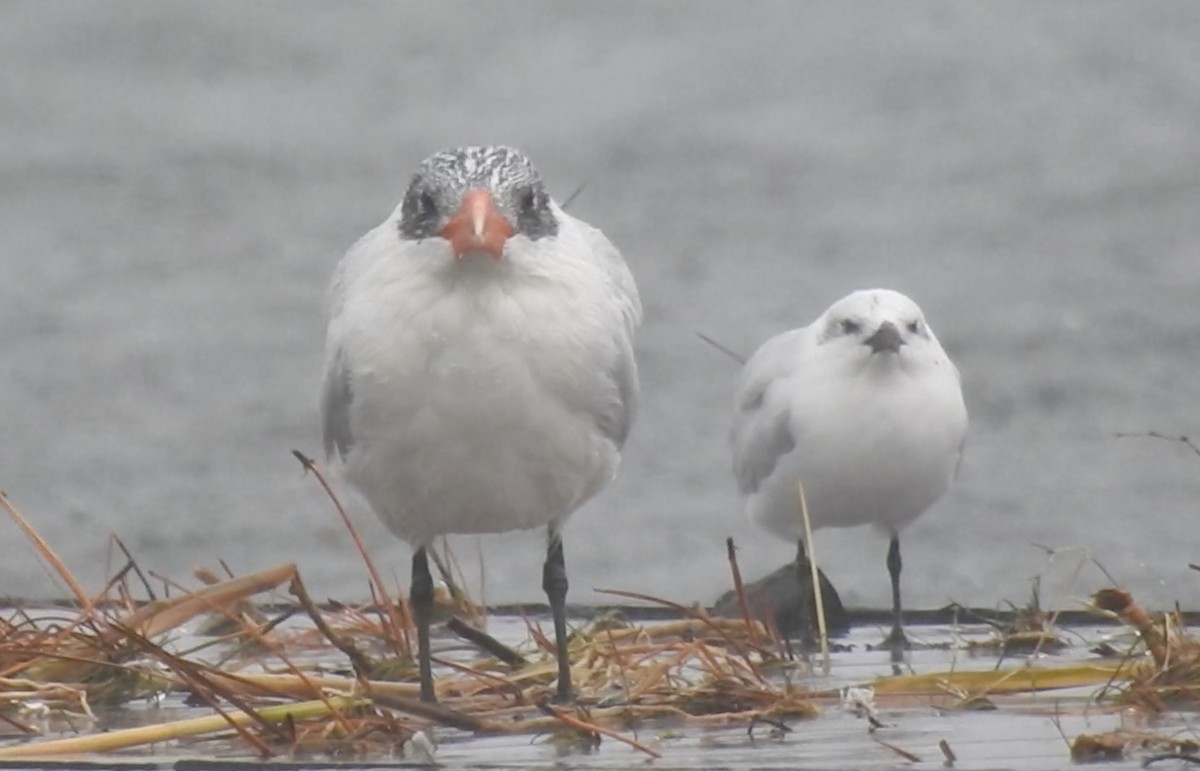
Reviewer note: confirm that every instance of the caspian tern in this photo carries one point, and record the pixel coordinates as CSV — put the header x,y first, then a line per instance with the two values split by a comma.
x,y
479,371
864,409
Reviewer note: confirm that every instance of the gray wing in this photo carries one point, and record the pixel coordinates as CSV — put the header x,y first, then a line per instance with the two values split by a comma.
x,y
764,436
617,417
762,418
336,396
616,420
614,266
336,390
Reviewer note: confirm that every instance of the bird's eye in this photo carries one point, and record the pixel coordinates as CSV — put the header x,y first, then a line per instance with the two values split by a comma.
x,y
851,327
527,200
914,326
419,213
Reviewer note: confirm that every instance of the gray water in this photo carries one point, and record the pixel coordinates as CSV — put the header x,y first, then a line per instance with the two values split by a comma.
x,y
177,181
1021,730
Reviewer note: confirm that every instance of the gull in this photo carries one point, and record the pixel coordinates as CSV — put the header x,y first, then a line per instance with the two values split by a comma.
x,y
479,367
863,409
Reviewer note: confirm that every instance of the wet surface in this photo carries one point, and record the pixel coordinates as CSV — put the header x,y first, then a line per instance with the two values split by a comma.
x,y
1017,731
177,181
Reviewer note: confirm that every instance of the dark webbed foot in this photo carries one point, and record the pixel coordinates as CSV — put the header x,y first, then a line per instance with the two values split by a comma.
x,y
896,640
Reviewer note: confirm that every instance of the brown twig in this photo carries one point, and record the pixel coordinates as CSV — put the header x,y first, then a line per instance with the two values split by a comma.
x,y
740,589
485,642
439,713
155,618
215,599
910,757
1121,603
133,565
193,676
399,626
358,660
486,679
703,618
48,555
579,725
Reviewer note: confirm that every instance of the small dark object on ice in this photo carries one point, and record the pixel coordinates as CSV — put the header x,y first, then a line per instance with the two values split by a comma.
x,y
788,594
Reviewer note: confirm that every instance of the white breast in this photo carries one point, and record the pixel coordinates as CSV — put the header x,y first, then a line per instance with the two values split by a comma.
x,y
477,386
877,449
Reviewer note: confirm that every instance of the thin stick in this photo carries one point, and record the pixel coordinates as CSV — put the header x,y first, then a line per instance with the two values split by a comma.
x,y
134,566
193,672
484,679
48,555
910,757
447,567
703,619
193,677
622,667
816,581
740,589
460,578
571,198
155,618
389,608
485,642
579,725
740,359
482,584
439,713
151,734
1185,441
358,660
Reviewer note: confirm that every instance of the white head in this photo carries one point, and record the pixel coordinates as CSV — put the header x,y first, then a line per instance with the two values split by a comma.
x,y
880,327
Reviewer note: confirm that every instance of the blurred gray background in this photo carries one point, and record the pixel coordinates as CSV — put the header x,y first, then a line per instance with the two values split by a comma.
x,y
177,181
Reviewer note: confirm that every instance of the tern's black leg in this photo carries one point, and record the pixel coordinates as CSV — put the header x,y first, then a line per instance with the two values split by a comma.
x,y
896,640
554,582
420,597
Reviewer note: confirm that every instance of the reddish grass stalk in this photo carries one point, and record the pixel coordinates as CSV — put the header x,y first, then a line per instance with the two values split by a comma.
x,y
193,675
579,725
703,618
740,588
1121,603
362,667
48,555
399,626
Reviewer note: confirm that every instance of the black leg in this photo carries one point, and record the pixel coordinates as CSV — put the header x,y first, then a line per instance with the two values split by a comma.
x,y
896,640
420,597
554,582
